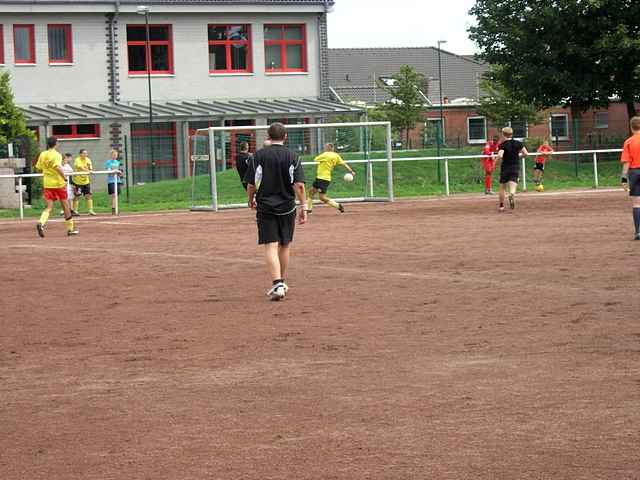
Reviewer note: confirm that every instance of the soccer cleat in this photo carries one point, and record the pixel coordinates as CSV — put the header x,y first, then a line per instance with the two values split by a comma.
x,y
40,229
277,292
341,208
637,237
512,201
74,213
92,213
71,233
501,209
309,212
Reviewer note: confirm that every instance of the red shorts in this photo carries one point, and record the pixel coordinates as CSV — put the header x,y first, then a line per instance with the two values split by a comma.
x,y
489,165
54,194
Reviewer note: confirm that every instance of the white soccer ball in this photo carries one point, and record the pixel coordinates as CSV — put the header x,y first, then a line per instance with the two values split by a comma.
x,y
348,177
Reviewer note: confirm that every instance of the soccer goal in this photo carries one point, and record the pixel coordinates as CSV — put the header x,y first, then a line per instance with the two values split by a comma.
x,y
366,146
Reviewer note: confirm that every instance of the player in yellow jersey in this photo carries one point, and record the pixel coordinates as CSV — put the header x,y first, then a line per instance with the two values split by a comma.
x,y
55,186
82,183
327,161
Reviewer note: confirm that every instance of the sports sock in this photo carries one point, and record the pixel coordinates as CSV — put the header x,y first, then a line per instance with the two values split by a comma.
x,y
487,182
75,203
636,218
334,204
69,223
310,203
90,204
44,217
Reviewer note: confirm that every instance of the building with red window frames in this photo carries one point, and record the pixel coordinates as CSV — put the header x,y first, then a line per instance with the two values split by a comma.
x,y
80,68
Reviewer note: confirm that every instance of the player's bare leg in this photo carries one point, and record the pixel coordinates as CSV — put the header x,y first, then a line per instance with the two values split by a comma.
x,y
332,203
272,256
311,195
501,197
44,217
513,186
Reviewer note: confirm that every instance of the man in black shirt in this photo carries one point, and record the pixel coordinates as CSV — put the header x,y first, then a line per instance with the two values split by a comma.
x,y
242,162
509,156
275,178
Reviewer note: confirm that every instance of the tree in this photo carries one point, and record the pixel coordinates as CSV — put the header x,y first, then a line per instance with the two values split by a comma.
x,y
501,105
407,103
12,122
545,50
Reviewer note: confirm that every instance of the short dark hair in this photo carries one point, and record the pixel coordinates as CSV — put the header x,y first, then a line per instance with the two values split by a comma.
x,y
68,155
52,142
635,124
244,147
82,150
277,132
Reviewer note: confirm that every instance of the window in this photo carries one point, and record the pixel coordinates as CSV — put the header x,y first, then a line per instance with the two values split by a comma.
x,y
602,119
60,44
285,48
160,44
520,129
559,126
433,132
24,44
76,131
1,46
477,129
229,49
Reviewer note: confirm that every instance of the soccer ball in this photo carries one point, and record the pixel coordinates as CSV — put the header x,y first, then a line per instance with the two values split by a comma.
x,y
540,188
348,177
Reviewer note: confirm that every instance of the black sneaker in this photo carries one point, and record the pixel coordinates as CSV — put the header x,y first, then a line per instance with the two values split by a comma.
x,y
71,233
512,201
40,229
637,237
74,213
340,208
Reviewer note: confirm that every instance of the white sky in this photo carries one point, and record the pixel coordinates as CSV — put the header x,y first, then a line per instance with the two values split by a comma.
x,y
401,23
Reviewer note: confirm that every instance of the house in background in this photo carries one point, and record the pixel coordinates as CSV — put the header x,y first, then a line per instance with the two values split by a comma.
x,y
355,75
80,68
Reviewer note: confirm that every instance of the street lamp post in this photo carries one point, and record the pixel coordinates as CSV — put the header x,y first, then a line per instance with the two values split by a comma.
x,y
441,129
144,10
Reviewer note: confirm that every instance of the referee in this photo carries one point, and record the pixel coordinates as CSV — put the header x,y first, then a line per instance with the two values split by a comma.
x,y
274,179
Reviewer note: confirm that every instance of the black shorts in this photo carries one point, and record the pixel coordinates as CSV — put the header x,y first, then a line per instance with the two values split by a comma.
x,y
539,166
321,185
510,175
276,228
112,190
79,190
634,182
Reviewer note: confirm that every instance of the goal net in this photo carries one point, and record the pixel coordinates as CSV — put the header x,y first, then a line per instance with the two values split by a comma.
x,y
365,146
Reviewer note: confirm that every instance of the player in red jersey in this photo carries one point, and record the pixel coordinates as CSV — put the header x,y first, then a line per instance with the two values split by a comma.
x,y
489,162
538,171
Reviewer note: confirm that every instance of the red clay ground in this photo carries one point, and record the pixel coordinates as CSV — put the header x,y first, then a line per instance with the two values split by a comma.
x,y
432,339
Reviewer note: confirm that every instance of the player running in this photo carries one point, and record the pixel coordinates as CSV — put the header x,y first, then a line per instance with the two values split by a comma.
x,y
327,161
82,183
489,163
274,179
54,183
509,156
538,171
66,166
631,171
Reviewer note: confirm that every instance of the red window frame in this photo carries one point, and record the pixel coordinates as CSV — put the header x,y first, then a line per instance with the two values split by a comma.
x,y
32,43
284,43
229,43
74,132
68,38
167,43
1,45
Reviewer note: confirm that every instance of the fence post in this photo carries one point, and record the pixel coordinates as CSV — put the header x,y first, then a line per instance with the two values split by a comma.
x,y
212,160
524,174
116,185
595,170
389,164
446,177
127,170
20,199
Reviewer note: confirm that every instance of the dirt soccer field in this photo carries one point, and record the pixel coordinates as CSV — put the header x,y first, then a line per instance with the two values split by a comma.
x,y
420,340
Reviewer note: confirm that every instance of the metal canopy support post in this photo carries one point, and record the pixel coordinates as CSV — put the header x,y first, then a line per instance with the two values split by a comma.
x,y
389,164
212,160
596,182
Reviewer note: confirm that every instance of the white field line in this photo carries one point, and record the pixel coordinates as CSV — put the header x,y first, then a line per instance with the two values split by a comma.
x,y
465,277
110,220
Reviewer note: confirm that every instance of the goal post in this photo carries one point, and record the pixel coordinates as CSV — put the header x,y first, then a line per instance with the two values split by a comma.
x,y
366,146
